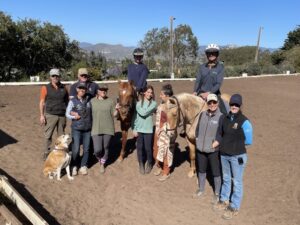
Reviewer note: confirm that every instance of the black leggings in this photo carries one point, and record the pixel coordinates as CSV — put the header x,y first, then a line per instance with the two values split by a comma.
x,y
144,147
214,161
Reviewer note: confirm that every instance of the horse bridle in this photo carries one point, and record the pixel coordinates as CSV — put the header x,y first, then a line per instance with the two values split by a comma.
x,y
179,113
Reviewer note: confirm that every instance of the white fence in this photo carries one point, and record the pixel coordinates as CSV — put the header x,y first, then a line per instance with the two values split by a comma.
x,y
150,80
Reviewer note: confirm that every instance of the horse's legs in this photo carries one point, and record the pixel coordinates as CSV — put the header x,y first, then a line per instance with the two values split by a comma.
x,y
124,141
192,148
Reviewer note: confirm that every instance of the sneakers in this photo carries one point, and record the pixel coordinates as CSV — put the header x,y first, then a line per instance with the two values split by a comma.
x,y
83,170
220,205
198,193
102,168
230,213
74,171
157,171
164,177
148,167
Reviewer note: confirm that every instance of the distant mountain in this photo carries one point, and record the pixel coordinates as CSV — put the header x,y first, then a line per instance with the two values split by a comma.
x,y
119,52
116,52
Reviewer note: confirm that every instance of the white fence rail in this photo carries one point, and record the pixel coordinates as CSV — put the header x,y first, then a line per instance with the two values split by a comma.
x,y
150,80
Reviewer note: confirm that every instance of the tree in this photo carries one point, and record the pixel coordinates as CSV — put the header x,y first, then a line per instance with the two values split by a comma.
x,y
292,40
157,44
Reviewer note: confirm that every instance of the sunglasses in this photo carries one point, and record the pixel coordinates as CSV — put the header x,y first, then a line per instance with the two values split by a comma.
x,y
56,76
235,105
212,53
212,102
84,75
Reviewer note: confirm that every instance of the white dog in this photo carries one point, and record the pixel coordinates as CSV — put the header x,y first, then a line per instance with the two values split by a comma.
x,y
58,159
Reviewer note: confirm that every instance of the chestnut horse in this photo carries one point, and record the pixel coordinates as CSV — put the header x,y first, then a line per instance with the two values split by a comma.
x,y
184,110
127,101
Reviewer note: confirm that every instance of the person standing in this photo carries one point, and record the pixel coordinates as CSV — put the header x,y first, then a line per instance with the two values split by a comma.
x,y
53,103
210,76
163,147
143,126
103,128
83,77
138,71
79,111
207,134
237,133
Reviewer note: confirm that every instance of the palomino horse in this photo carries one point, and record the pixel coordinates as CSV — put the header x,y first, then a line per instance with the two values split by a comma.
x,y
127,100
184,110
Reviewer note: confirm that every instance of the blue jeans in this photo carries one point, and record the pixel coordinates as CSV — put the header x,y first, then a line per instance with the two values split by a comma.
x,y
85,137
233,171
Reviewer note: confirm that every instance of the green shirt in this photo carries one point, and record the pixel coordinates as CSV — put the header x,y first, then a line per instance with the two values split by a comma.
x,y
143,118
103,119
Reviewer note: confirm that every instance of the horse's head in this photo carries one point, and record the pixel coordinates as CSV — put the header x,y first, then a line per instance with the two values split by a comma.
x,y
127,98
172,110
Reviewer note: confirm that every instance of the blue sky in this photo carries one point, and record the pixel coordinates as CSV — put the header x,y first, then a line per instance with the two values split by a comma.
x,y
126,22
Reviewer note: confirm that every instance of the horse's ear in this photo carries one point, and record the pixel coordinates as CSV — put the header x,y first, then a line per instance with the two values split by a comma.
x,y
131,82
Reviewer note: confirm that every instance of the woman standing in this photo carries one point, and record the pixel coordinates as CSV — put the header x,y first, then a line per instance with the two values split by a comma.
x,y
79,111
163,147
103,128
143,125
236,134
207,132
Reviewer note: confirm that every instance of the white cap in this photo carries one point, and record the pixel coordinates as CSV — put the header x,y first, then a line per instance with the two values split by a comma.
x,y
211,97
54,72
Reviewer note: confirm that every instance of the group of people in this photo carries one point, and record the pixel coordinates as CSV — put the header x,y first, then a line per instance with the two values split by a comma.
x,y
222,133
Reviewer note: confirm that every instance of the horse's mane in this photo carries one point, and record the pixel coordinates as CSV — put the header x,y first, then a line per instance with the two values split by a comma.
x,y
190,104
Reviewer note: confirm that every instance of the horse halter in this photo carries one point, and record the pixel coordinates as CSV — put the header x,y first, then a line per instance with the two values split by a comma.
x,y
179,113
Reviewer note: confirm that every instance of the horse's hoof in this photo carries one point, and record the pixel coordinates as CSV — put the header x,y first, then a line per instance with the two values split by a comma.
x,y
120,159
191,174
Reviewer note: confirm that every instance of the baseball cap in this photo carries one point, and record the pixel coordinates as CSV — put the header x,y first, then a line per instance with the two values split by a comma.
x,y
103,86
54,72
82,71
81,85
236,99
211,97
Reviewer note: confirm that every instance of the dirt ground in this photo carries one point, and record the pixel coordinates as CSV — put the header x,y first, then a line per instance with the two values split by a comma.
x,y
123,196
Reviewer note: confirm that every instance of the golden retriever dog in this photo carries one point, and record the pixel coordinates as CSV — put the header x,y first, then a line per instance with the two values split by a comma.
x,y
58,159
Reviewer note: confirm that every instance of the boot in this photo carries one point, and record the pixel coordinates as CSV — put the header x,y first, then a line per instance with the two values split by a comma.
x,y
148,167
142,168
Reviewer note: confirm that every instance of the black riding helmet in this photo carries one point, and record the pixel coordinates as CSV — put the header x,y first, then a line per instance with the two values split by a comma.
x,y
138,52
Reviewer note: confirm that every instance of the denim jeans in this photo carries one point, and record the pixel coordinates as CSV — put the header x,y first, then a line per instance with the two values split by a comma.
x,y
85,137
233,171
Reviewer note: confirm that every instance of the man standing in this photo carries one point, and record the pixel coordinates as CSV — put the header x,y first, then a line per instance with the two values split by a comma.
x,y
53,103
210,76
138,71
83,77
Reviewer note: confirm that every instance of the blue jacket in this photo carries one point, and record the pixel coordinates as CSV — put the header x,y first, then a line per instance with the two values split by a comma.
x,y
209,79
138,73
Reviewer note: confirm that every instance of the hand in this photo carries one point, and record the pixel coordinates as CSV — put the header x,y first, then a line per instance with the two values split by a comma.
x,y
77,117
204,95
215,144
117,106
43,120
195,93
